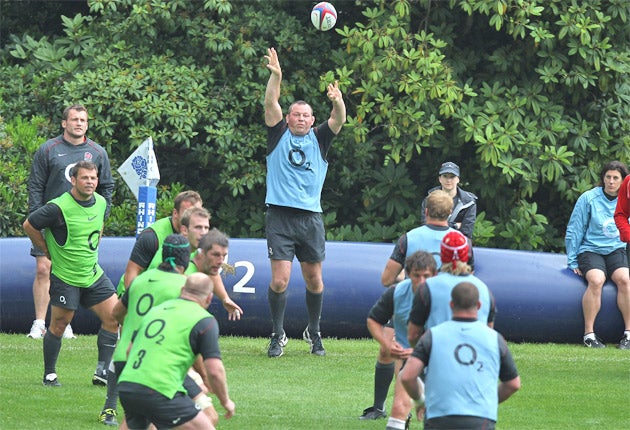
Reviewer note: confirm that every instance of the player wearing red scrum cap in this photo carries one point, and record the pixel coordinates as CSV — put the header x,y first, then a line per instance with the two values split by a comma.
x,y
431,301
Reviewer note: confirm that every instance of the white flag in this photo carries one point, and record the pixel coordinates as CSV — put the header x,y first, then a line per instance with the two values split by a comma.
x,y
141,168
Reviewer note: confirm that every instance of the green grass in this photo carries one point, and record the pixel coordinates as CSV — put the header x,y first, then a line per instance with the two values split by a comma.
x,y
564,386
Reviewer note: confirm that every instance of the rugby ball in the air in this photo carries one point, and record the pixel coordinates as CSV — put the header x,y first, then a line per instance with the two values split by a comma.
x,y
324,16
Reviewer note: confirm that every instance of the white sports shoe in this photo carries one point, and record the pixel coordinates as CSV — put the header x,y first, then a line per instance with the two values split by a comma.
x,y
68,333
38,329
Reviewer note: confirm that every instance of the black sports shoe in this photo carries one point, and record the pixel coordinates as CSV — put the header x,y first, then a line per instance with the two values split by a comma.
x,y
373,413
315,342
624,343
108,417
50,380
276,345
594,343
99,379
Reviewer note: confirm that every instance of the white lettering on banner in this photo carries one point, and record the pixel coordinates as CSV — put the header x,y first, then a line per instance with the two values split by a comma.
x,y
240,287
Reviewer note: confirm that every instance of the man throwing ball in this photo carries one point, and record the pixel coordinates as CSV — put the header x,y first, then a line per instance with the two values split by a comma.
x,y
296,170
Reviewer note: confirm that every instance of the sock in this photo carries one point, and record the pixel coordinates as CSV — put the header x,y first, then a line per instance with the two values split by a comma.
x,y
52,346
626,334
395,424
111,399
314,308
590,335
383,375
106,343
277,305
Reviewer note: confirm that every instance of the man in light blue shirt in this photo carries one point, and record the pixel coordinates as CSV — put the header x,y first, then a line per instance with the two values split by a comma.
x,y
296,170
467,359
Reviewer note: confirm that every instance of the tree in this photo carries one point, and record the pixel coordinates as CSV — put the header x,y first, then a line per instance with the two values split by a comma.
x,y
529,97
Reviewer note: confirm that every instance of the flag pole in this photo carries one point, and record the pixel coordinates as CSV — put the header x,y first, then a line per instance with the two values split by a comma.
x,y
140,172
147,194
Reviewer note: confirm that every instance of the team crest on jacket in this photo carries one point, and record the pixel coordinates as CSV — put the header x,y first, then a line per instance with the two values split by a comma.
x,y
87,156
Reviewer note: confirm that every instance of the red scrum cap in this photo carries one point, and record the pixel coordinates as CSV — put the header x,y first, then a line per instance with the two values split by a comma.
x,y
454,247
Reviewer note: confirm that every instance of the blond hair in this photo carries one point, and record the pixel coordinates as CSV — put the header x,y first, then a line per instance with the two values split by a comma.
x,y
439,205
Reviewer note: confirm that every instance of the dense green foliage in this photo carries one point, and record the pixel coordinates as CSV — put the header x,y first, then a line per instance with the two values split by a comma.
x,y
529,97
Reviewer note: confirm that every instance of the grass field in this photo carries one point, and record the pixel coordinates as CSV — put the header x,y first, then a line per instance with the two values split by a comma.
x,y
563,386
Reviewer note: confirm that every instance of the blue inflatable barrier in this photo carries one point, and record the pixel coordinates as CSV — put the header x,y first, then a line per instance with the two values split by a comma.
x,y
538,298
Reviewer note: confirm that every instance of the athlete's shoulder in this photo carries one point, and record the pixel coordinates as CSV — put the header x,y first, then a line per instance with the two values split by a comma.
x,y
592,194
96,147
51,145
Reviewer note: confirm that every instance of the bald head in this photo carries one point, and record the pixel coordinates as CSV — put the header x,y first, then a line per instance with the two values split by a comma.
x,y
198,287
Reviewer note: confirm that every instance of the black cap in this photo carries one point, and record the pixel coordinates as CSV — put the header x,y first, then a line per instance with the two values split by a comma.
x,y
449,167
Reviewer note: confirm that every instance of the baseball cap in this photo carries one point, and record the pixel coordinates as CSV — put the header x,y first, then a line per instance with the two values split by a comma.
x,y
176,250
449,167
454,247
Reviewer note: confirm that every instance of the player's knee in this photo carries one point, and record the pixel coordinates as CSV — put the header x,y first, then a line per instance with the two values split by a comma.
x,y
400,409
42,270
58,326
384,356
279,285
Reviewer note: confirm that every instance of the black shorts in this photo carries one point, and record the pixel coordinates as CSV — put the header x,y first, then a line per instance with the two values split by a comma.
x,y
295,233
36,252
606,263
143,406
70,297
192,388
460,422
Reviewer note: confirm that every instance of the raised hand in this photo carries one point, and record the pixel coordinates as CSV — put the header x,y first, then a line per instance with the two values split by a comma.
x,y
334,93
272,61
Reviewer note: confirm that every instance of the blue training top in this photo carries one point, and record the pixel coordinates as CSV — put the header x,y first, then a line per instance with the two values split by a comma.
x,y
592,226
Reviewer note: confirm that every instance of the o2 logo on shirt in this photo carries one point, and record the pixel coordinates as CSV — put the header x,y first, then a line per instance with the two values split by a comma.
x,y
609,228
67,171
466,355
94,239
297,158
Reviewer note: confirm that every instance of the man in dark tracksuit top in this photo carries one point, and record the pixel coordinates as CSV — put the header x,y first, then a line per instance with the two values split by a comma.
x,y
73,224
464,359
50,178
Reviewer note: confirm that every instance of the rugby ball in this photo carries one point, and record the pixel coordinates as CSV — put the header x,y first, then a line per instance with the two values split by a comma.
x,y
323,16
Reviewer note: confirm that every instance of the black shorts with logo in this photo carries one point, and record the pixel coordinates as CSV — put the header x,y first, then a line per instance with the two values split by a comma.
x,y
70,297
295,233
143,406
